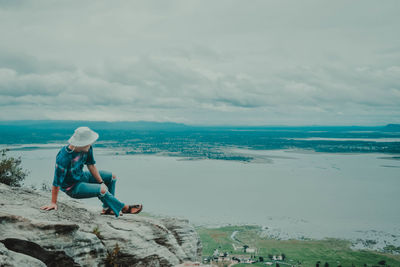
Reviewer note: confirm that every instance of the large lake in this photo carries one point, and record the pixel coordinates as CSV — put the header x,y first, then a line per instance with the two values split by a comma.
x,y
292,193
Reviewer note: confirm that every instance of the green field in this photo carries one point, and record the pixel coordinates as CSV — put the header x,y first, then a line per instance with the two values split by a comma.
x,y
307,252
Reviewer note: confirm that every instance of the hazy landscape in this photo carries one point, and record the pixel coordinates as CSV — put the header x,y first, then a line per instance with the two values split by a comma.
x,y
293,182
209,142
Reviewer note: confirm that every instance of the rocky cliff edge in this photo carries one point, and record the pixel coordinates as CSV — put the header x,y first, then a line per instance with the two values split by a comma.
x,y
76,236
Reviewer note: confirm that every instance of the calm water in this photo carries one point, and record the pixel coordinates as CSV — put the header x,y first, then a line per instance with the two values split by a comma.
x,y
293,192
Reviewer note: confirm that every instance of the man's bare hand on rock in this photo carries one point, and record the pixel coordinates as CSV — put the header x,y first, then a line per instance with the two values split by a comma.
x,y
49,207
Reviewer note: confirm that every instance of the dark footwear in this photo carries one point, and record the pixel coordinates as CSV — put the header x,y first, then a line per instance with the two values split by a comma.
x,y
107,212
134,209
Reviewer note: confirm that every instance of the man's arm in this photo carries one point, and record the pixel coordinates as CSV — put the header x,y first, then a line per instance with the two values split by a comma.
x,y
93,170
54,195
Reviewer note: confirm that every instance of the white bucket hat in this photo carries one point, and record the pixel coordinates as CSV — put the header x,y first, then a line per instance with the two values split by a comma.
x,y
83,136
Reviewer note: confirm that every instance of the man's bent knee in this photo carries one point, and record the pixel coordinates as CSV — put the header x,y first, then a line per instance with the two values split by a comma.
x,y
103,189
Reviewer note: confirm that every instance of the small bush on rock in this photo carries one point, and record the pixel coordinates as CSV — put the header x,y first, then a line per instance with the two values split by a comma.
x,y
113,257
96,231
11,173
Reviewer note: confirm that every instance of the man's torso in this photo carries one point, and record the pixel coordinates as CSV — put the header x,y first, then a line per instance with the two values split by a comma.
x,y
69,166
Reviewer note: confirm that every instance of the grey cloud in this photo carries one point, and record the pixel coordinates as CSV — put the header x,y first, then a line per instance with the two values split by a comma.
x,y
372,86
64,88
389,50
165,79
24,63
11,4
304,86
162,83
225,59
13,84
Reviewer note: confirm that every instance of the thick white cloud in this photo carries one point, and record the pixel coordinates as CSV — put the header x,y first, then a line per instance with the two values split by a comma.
x,y
201,62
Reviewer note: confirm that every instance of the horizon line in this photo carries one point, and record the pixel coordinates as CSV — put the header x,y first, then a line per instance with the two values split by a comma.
x,y
200,125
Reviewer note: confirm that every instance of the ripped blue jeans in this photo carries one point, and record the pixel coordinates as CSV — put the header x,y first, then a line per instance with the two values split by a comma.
x,y
89,187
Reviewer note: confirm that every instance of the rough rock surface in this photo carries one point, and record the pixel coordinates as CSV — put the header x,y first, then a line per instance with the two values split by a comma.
x,y
11,258
30,236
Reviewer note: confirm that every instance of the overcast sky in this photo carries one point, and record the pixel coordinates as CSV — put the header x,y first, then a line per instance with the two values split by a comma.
x,y
201,62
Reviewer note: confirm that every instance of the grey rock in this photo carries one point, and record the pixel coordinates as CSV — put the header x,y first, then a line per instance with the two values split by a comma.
x,y
11,258
67,234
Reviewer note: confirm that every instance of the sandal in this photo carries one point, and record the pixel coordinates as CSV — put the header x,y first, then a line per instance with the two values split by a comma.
x,y
131,207
108,212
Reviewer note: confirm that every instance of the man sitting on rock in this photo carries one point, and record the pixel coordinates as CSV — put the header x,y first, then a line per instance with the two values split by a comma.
x,y
70,177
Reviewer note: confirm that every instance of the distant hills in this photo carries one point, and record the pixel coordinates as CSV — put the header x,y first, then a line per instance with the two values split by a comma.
x,y
392,127
150,125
